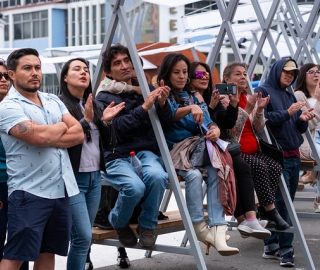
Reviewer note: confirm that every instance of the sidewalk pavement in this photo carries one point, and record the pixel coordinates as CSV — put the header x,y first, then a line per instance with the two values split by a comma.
x,y
250,256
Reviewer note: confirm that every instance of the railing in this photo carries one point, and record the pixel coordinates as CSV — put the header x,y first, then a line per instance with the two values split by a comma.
x,y
52,89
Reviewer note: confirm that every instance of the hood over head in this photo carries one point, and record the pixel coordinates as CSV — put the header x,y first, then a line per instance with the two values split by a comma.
x,y
273,79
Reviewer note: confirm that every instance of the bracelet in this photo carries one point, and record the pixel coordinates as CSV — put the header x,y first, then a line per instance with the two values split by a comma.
x,y
108,123
259,113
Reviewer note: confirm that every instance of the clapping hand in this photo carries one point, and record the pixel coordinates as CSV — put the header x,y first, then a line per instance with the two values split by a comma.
x,y
111,111
262,102
88,110
307,115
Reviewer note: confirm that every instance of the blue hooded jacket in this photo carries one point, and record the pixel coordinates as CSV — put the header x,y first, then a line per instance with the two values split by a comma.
x,y
286,129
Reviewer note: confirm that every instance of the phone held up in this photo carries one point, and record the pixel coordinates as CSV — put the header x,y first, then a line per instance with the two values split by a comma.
x,y
226,88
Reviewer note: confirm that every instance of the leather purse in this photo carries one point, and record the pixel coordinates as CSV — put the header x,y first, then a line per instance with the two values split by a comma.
x,y
273,151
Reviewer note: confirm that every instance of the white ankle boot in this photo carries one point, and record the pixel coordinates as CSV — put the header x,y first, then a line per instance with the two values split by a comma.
x,y
217,238
201,229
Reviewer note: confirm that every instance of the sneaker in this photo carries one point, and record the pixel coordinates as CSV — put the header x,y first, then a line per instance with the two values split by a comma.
x,y
316,206
273,255
88,266
263,224
287,260
126,236
254,229
123,260
101,221
147,237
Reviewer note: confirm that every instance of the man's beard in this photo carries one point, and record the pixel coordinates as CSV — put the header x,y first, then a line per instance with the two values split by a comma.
x,y
27,89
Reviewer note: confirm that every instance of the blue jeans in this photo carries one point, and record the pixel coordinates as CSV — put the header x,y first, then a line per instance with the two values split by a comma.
x,y
132,189
4,221
84,207
194,196
317,145
282,241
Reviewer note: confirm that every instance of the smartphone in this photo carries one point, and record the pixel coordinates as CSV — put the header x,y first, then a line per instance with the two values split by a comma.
x,y
226,88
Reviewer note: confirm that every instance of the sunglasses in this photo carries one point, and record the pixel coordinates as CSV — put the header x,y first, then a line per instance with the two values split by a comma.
x,y
5,75
313,72
201,74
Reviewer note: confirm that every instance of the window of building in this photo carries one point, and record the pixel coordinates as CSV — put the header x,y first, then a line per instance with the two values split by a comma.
x,y
73,27
80,25
103,21
30,25
87,26
94,17
66,29
37,1
6,28
201,6
9,3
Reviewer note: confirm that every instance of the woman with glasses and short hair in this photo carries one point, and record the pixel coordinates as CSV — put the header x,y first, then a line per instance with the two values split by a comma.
x,y
307,90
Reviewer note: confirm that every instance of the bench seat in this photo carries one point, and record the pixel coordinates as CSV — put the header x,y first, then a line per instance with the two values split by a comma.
x,y
174,221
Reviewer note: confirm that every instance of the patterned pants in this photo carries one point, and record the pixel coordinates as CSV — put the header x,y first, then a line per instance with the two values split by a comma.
x,y
266,176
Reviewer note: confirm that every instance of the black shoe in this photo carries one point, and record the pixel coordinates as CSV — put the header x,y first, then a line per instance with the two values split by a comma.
x,y
101,221
262,215
89,265
274,216
123,260
147,237
126,236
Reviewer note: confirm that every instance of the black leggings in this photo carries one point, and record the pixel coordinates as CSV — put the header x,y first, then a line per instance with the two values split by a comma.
x,y
245,188
266,176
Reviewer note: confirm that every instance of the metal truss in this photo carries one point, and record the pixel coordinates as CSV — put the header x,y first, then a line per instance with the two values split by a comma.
x,y
286,16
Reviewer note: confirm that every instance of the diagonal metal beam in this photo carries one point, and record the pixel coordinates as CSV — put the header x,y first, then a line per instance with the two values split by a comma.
x,y
119,15
227,15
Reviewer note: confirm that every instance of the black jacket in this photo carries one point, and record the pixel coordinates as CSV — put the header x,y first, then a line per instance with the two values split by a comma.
x,y
132,125
75,151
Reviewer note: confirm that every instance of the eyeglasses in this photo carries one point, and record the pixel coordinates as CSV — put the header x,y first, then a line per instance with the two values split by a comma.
x,y
5,75
201,74
313,72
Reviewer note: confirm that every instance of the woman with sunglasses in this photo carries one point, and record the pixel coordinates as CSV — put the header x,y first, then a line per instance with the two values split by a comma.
x,y
266,171
245,212
4,88
87,158
307,90
187,114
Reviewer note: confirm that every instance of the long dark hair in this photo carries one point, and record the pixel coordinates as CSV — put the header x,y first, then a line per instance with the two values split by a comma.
x,y
206,93
165,70
301,79
70,101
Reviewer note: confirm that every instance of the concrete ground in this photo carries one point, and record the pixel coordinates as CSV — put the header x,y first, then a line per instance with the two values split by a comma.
x,y
250,256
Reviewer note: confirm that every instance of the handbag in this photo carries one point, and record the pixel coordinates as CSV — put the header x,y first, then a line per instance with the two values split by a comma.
x,y
273,151
199,156
233,147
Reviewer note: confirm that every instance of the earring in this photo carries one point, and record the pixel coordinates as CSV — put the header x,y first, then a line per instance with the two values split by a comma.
x,y
188,80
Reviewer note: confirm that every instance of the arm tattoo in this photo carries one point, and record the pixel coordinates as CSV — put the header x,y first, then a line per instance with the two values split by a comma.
x,y
24,127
